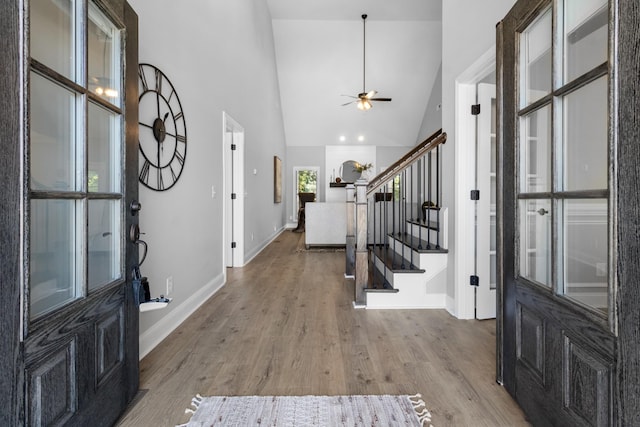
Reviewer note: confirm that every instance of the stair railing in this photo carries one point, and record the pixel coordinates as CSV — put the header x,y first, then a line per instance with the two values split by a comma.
x,y
385,211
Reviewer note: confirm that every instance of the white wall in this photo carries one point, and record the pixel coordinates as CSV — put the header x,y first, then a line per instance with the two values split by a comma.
x,y
468,31
220,57
432,120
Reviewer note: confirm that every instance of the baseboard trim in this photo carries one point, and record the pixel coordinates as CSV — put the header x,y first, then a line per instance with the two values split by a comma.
x,y
436,302
153,336
451,306
255,252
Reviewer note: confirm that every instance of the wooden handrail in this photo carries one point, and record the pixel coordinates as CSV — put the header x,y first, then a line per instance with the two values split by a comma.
x,y
407,160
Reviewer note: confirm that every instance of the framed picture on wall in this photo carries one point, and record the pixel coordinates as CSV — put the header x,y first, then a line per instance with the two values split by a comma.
x,y
277,180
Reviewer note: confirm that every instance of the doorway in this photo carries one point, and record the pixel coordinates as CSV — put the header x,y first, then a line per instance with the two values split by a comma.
x,y
305,180
233,155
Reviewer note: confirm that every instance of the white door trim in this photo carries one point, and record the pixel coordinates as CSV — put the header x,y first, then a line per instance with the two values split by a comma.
x,y
465,165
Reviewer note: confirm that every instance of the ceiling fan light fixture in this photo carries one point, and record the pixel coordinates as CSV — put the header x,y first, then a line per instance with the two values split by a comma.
x,y
364,104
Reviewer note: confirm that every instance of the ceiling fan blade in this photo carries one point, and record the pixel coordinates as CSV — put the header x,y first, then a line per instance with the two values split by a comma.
x,y
348,103
350,96
380,99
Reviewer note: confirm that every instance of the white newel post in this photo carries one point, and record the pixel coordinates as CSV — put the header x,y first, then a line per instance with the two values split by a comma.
x,y
362,253
350,257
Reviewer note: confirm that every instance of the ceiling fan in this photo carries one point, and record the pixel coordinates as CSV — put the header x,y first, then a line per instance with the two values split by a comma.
x,y
364,98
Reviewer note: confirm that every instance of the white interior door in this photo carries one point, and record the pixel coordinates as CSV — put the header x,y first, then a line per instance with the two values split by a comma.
x,y
233,149
486,206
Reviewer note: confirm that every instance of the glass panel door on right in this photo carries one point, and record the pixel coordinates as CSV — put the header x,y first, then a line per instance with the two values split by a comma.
x,y
564,155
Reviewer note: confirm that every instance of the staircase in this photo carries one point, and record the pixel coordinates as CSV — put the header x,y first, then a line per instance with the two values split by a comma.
x,y
397,233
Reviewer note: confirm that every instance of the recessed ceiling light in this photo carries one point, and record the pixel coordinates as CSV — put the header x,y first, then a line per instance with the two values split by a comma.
x,y
343,138
361,138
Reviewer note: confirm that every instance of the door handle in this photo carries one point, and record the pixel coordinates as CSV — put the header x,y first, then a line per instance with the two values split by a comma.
x,y
134,233
542,211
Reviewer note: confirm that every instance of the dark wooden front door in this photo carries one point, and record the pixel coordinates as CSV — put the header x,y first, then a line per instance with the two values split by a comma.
x,y
558,245
71,134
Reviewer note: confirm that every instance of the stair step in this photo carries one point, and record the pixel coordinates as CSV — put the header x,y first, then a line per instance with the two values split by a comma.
x,y
381,291
394,261
419,245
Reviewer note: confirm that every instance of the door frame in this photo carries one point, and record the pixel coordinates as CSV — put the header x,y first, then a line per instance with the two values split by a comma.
x,y
233,178
465,165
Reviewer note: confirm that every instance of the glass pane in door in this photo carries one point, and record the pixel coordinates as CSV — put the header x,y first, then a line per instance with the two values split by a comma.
x,y
104,242
55,254
104,56
53,130
535,151
585,35
52,35
535,241
535,58
585,137
105,162
585,251
306,182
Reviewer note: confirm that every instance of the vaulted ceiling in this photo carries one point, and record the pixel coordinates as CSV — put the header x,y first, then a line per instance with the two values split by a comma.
x,y
319,55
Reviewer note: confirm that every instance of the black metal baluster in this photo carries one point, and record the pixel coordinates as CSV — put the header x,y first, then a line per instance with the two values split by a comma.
x,y
429,183
422,191
438,197
404,216
410,235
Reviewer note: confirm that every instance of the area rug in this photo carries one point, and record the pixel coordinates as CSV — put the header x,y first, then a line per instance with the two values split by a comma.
x,y
299,411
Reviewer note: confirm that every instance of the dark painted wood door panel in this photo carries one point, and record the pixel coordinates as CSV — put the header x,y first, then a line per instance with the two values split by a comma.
x,y
76,364
560,354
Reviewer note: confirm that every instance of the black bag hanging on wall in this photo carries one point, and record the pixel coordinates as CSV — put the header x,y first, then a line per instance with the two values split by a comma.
x,y
141,291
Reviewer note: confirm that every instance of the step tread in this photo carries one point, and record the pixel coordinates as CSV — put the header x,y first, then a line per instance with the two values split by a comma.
x,y
418,245
394,261
381,290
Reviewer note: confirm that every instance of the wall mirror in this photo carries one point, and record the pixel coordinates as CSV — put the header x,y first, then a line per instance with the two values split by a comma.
x,y
348,171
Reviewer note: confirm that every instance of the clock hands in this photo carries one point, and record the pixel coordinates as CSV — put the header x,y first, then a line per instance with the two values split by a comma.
x,y
158,103
164,130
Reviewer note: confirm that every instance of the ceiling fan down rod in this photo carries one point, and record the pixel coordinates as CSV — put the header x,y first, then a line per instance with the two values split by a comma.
x,y
364,52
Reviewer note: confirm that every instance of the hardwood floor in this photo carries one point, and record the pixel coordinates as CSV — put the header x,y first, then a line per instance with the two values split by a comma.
x,y
285,325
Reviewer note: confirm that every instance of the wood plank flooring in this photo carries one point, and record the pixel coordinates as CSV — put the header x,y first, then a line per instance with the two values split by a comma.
x,y
284,325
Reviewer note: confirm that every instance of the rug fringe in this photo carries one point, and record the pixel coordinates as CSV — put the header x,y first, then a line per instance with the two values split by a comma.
x,y
195,402
424,416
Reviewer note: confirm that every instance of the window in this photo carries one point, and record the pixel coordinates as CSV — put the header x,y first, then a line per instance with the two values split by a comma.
x,y
305,181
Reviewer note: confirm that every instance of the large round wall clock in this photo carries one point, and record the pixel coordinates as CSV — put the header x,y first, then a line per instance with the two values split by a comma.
x,y
162,131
